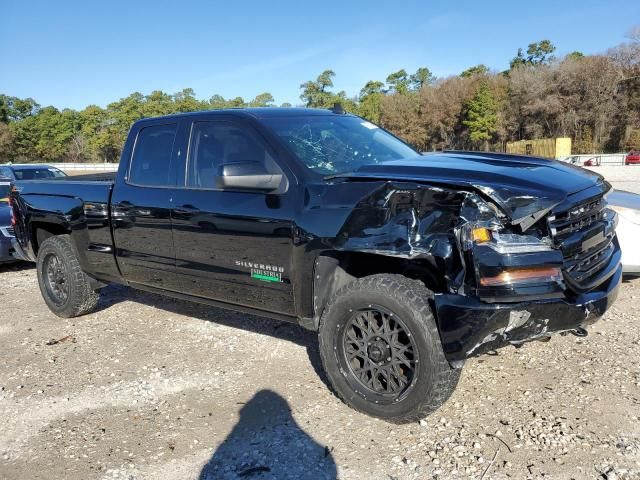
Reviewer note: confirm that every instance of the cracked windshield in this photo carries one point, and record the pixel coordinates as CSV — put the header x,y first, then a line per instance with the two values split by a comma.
x,y
330,145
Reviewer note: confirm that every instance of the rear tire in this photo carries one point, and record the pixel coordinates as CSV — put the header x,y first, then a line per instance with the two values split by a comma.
x,y
66,289
381,349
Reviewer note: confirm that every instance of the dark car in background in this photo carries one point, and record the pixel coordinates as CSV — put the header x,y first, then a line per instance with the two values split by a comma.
x,y
30,172
6,227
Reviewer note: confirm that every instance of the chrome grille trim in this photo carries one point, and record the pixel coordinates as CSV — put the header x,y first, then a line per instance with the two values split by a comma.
x,y
576,218
576,223
8,232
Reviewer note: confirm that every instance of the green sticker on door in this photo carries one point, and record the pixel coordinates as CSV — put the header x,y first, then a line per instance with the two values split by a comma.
x,y
263,272
271,277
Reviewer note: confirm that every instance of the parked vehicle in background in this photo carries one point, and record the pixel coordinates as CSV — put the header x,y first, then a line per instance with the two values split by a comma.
x,y
574,160
632,158
627,205
405,264
6,224
29,171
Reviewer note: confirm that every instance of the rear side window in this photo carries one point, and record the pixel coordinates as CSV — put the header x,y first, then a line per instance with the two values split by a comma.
x,y
151,161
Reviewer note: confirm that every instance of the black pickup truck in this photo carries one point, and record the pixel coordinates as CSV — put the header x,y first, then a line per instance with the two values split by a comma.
x,y
405,264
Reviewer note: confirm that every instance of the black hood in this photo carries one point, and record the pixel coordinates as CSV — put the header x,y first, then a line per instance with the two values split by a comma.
x,y
525,188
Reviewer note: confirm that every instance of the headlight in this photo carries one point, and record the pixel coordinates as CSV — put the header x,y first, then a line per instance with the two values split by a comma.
x,y
486,235
480,219
485,227
514,243
523,276
630,214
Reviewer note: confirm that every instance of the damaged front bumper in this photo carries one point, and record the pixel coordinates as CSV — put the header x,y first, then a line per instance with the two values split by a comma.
x,y
470,327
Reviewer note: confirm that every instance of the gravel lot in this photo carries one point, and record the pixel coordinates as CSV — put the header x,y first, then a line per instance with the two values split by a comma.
x,y
154,388
621,177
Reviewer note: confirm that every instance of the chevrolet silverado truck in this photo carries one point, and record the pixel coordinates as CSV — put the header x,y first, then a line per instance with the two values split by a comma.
x,y
405,264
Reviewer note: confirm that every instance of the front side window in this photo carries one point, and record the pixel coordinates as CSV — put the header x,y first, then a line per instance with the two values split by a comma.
x,y
214,144
331,144
57,173
151,161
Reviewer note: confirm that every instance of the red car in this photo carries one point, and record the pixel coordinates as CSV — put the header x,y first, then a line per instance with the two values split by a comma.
x,y
633,158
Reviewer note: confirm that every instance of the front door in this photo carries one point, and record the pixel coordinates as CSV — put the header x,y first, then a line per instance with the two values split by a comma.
x,y
141,210
231,245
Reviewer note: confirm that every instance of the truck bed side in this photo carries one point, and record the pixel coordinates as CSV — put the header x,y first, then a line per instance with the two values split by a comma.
x,y
78,208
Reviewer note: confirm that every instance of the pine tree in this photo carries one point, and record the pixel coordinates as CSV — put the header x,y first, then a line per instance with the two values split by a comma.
x,y
482,115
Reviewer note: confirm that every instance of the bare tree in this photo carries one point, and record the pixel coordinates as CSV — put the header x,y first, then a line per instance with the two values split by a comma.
x,y
78,151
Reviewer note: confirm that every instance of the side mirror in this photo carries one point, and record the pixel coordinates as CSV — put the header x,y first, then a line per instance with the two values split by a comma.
x,y
249,175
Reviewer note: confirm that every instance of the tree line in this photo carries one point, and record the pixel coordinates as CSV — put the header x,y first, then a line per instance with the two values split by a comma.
x,y
594,99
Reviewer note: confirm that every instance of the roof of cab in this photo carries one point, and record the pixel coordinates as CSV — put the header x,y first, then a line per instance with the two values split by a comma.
x,y
257,112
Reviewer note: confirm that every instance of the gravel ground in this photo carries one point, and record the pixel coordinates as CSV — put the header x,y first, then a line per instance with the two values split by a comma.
x,y
149,387
621,177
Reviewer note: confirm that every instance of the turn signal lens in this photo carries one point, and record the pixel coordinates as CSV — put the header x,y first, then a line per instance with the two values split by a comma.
x,y
523,276
481,235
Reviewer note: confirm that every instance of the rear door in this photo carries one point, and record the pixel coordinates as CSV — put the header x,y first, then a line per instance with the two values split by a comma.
x,y
141,207
232,245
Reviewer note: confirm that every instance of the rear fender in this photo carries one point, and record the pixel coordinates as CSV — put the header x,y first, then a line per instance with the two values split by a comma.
x,y
56,215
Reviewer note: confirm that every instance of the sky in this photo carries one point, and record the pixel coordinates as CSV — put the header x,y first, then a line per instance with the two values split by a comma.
x,y
74,53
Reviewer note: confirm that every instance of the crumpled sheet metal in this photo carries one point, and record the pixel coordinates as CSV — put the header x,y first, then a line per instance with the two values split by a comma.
x,y
409,221
523,209
416,221
523,203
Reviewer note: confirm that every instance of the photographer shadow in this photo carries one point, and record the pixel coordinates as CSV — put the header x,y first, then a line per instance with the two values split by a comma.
x,y
267,443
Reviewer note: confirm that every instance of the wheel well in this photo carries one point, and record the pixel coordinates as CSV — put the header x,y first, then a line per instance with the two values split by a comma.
x,y
359,264
337,269
41,231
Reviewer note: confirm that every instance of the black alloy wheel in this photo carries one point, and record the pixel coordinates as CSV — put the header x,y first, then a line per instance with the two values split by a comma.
x,y
66,289
381,349
56,283
380,352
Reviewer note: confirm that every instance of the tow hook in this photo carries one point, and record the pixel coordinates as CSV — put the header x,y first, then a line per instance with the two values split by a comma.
x,y
580,332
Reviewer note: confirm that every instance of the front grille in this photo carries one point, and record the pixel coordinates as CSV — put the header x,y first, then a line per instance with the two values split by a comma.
x,y
576,218
580,231
589,264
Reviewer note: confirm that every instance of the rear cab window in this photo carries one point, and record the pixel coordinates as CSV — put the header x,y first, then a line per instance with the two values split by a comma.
x,y
152,153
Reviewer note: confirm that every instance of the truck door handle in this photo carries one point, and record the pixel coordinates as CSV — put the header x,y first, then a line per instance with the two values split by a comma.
x,y
186,209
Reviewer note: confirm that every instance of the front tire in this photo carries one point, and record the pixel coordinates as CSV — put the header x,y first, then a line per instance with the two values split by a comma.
x,y
66,289
381,349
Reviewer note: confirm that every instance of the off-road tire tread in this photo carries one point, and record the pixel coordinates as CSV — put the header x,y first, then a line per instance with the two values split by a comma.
x,y
83,298
414,293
